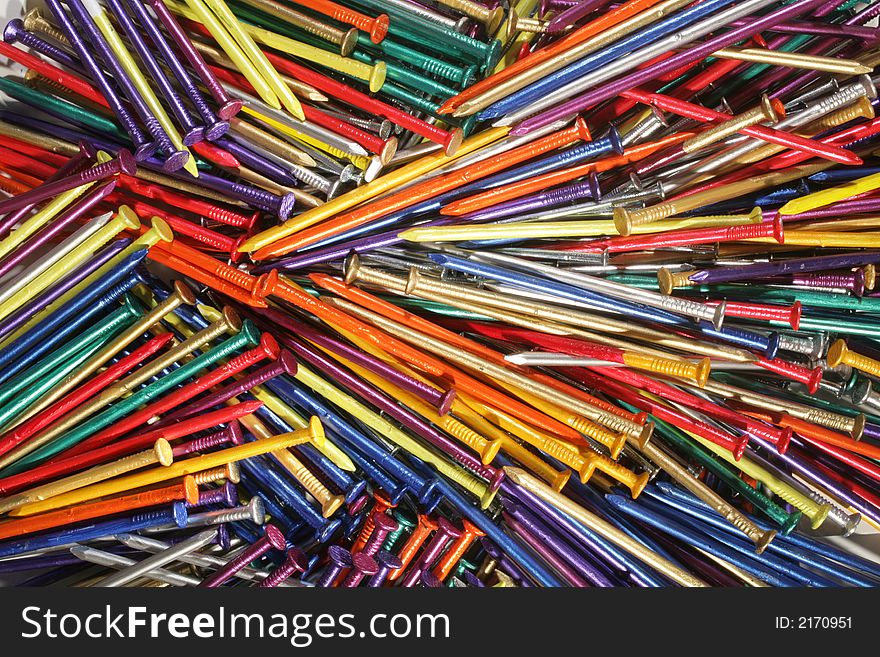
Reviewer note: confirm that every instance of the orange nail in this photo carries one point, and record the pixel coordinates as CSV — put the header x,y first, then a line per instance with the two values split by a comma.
x,y
591,29
185,267
436,367
436,186
413,544
469,534
186,490
419,323
547,180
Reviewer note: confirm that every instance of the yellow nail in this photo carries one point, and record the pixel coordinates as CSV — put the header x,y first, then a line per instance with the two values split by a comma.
x,y
810,508
143,87
200,12
178,469
161,453
265,68
831,195
375,75
326,446
122,221
568,229
36,221
380,185
329,502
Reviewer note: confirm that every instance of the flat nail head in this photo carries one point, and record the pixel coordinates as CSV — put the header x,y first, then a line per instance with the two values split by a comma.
x,y
275,537
164,453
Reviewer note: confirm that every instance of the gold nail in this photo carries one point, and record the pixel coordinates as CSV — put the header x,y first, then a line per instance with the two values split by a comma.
x,y
758,536
34,21
270,142
491,18
625,219
839,353
329,502
502,374
767,110
187,466
603,528
160,453
229,472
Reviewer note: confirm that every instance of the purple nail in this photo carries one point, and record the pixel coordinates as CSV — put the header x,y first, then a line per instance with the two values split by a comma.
x,y
340,559
785,267
192,133
387,561
546,552
429,580
362,564
225,495
271,170
230,435
229,107
76,163
285,364
296,562
175,159
122,163
442,400
281,206
143,147
530,522
214,127
573,14
272,538
15,32
88,202
561,196
853,281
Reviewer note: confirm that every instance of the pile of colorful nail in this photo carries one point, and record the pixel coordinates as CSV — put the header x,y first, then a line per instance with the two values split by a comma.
x,y
440,293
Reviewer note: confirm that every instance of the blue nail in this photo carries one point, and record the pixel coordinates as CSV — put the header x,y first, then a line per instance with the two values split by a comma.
x,y
100,294
176,513
287,493
666,523
670,495
519,554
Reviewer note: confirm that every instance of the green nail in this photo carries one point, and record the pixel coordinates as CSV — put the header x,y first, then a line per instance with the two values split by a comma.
x,y
249,336
404,525
50,103
786,521
44,367
431,65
